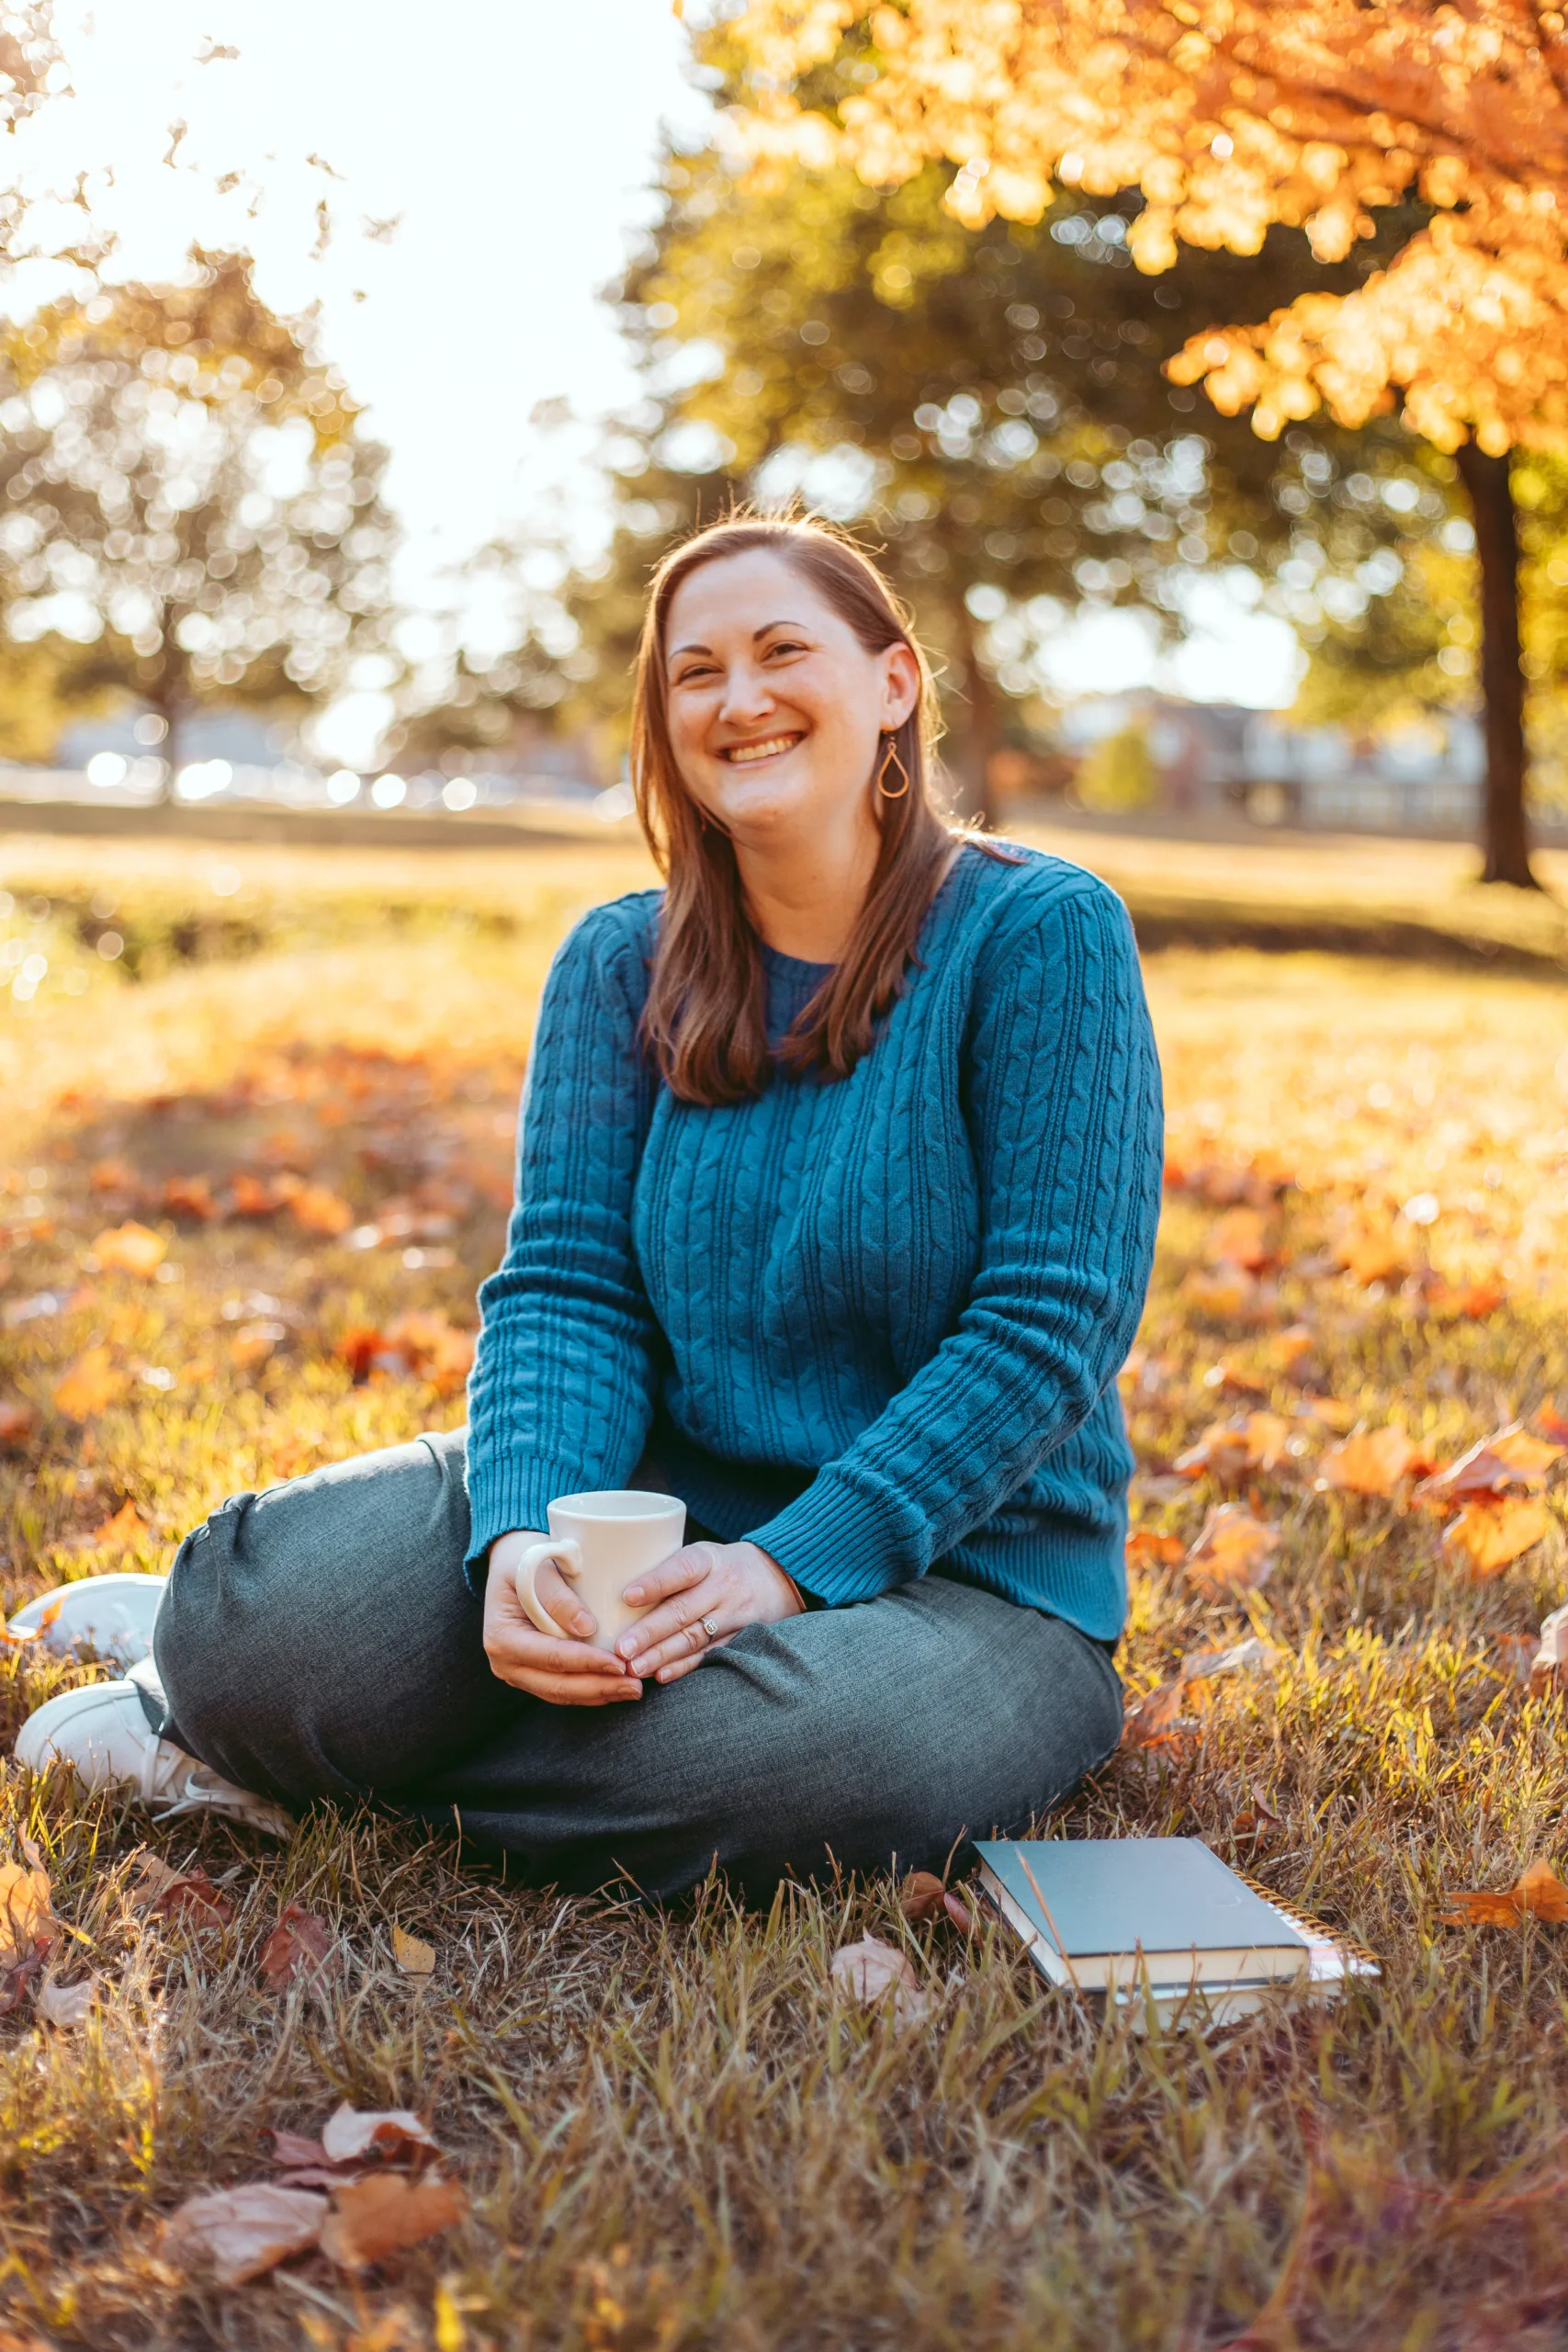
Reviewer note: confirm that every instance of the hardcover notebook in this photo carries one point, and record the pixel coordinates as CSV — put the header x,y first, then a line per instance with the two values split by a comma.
x,y
1108,1915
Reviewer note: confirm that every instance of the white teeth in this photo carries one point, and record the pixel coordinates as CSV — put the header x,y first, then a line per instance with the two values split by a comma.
x,y
741,754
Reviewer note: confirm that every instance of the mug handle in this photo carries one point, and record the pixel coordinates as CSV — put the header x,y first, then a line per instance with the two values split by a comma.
x,y
567,1556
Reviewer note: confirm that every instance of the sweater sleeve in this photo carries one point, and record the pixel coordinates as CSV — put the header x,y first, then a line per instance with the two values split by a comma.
x,y
561,1395
1063,1101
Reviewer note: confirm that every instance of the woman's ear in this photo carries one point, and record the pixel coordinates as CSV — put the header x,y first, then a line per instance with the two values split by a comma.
x,y
901,685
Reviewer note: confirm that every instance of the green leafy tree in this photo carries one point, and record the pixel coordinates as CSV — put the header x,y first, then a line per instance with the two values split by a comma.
x,y
990,401
184,473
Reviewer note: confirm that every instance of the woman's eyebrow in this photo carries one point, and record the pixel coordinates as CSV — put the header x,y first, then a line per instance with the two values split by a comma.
x,y
766,631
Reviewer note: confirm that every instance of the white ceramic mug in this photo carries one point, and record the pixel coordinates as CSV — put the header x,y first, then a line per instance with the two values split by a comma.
x,y
600,1543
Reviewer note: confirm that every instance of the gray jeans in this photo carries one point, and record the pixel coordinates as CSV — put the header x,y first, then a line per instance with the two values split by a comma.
x,y
320,1640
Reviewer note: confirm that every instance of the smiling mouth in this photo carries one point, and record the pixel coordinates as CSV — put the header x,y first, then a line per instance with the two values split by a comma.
x,y
742,756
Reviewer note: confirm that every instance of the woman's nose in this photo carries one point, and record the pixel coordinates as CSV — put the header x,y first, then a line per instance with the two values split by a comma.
x,y
746,696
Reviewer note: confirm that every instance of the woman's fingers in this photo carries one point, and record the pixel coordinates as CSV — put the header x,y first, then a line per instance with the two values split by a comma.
x,y
675,1634
558,1599
677,1574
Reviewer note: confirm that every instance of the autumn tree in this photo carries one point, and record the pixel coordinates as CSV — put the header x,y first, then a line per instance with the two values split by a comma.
x,y
988,399
181,471
1228,119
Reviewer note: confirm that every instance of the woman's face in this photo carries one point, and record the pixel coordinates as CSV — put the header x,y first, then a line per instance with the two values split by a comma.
x,y
775,706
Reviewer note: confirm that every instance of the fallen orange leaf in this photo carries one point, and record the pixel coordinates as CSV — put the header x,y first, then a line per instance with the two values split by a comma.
x,y
318,1209
27,1924
1233,1549
1238,1238
374,2217
1369,1258
1538,1892
1371,1465
18,1423
251,1196
166,1893
90,1386
1228,1449
190,1196
114,1176
131,1249
1148,1549
127,1526
1551,1422
1487,1536
1510,1457
413,1956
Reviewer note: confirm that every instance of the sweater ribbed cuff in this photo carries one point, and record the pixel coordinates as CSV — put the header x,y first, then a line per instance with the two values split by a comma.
x,y
514,1490
835,1542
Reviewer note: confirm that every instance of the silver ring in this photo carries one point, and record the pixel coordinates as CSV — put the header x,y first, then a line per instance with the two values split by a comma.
x,y
710,1627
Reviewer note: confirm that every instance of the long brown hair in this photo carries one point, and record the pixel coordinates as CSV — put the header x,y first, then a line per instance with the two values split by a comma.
x,y
705,1018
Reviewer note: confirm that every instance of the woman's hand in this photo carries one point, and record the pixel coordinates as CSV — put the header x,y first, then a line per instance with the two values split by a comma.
x,y
707,1591
566,1672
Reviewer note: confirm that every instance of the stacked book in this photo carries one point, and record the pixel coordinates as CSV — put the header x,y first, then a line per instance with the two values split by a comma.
x,y
1135,1921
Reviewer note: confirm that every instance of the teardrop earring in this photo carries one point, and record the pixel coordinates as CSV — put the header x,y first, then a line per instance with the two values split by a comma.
x,y
890,759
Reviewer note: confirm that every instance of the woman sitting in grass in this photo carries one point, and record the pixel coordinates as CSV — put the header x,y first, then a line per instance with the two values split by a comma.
x,y
837,1181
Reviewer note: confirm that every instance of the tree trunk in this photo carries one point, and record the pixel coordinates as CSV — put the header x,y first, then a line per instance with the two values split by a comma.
x,y
1505,833
980,736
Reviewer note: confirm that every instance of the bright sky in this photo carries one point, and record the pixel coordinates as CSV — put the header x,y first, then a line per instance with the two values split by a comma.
x,y
481,165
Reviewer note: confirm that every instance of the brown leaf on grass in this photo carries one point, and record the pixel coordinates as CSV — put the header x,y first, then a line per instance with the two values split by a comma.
x,y
19,1426
1510,1457
233,2235
65,2006
131,1249
1372,1464
1538,1892
351,2134
869,1970
190,1196
959,1913
1171,1716
373,2218
1288,1351
1487,1537
301,1945
1148,1549
315,1208
1230,1450
127,1526
293,2148
1516,1655
165,1894
1256,1819
414,1957
91,1386
27,1924
1233,1551
920,1895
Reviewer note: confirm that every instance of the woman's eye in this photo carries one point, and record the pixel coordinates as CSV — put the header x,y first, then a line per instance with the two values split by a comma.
x,y
786,645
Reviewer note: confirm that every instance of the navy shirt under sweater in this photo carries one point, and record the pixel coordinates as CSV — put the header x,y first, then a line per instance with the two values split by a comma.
x,y
872,1325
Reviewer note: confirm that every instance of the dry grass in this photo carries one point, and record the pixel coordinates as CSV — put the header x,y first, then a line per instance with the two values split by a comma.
x,y
671,2134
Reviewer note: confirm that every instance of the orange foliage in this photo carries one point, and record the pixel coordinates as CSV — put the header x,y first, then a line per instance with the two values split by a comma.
x,y
1229,119
131,1249
1538,1892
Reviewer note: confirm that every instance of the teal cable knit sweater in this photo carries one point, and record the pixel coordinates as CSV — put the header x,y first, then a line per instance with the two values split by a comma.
x,y
872,1325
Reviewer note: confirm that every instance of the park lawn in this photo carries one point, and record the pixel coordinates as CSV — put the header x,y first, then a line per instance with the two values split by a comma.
x,y
670,2131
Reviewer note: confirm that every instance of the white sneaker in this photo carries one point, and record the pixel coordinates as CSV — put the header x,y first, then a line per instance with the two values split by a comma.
x,y
103,1733
111,1616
